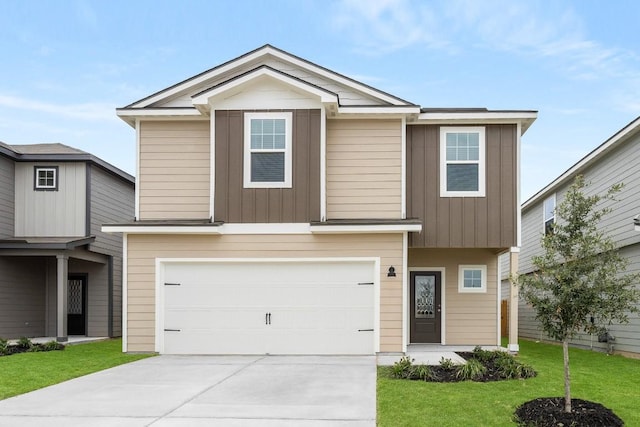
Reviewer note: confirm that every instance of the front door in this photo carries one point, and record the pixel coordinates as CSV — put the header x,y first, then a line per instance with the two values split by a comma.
x,y
425,307
77,305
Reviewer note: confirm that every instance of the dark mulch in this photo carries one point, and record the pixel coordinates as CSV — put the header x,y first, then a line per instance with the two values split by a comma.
x,y
549,412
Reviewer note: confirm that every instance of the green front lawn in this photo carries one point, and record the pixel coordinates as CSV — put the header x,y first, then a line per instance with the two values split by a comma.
x,y
610,380
20,373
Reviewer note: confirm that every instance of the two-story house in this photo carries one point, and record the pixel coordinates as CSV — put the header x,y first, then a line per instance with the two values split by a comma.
x,y
616,160
60,275
284,208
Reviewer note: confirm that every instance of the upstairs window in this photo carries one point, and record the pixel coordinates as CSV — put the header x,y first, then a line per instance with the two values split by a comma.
x,y
462,162
46,178
549,214
267,150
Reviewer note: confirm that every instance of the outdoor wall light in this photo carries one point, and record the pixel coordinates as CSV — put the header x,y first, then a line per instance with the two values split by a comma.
x,y
391,272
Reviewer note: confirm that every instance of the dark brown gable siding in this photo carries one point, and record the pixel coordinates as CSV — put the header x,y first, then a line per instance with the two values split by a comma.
x,y
457,222
236,204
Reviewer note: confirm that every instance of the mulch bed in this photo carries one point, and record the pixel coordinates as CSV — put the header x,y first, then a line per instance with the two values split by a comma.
x,y
549,412
16,349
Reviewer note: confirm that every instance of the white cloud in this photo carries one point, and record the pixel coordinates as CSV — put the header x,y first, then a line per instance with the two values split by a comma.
x,y
85,111
380,26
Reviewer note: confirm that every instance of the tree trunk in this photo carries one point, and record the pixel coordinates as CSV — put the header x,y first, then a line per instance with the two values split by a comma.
x,y
567,377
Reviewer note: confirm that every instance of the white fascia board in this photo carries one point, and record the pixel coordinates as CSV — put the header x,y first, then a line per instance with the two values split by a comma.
x,y
584,162
266,228
200,79
130,115
160,229
526,118
356,229
324,96
159,112
267,50
374,110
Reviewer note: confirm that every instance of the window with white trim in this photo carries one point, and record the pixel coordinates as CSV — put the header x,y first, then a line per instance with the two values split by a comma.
x,y
472,278
45,178
267,150
462,161
549,214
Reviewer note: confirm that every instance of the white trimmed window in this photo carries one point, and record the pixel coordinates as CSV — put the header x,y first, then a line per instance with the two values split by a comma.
x,y
46,178
462,161
549,214
472,278
267,150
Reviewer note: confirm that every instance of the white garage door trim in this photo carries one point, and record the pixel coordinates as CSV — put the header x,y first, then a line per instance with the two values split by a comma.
x,y
160,293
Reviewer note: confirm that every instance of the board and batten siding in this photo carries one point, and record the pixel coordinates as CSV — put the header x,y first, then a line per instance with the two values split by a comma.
x,y
22,297
462,222
236,204
620,165
112,201
7,197
144,249
174,170
60,213
364,169
470,318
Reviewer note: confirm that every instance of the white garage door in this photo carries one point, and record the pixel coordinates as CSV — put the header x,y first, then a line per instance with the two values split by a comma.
x,y
268,308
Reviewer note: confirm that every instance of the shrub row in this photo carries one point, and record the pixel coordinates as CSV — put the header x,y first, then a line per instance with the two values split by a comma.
x,y
24,345
481,365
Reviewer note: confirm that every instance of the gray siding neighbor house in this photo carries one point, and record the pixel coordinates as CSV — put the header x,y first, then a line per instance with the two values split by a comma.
x,y
60,275
616,160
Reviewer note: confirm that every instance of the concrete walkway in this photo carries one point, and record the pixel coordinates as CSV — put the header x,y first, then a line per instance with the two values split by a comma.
x,y
208,391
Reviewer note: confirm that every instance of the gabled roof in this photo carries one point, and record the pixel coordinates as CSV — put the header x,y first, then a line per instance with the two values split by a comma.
x,y
259,56
56,152
619,138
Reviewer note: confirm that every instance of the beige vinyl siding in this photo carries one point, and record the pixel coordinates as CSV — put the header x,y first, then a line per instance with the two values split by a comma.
x,y
144,249
60,213
470,318
174,169
7,197
364,169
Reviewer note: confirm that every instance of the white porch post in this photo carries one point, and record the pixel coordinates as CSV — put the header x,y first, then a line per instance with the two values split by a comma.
x,y
513,302
62,294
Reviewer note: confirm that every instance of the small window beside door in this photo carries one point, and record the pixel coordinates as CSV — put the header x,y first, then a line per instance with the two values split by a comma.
x,y
472,278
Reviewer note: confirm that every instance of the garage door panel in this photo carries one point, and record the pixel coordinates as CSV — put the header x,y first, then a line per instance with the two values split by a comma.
x,y
314,308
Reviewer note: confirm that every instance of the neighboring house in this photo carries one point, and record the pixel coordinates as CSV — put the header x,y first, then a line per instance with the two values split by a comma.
x,y
60,275
616,160
284,208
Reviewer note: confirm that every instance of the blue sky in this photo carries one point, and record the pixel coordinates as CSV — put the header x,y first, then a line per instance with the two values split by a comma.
x,y
66,65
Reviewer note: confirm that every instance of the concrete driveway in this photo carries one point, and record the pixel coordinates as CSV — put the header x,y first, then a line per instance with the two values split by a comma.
x,y
208,391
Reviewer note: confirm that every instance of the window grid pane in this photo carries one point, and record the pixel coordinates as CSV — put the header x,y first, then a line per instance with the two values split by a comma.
x,y
473,278
268,134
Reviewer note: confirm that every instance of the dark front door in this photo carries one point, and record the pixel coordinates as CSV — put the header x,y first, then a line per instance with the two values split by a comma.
x,y
425,307
77,305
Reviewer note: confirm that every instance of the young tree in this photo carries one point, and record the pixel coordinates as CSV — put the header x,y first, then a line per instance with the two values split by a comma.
x,y
580,274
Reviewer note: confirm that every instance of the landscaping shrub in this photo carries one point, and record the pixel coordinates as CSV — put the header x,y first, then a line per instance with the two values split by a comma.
x,y
481,365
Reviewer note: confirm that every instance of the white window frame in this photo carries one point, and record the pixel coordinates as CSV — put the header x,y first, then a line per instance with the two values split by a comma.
x,y
481,162
38,186
544,213
288,117
461,287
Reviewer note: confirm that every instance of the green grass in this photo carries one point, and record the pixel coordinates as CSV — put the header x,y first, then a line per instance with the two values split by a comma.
x,y
610,380
25,372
